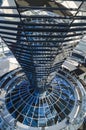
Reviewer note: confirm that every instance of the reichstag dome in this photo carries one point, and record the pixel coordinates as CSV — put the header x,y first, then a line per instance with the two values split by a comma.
x,y
40,94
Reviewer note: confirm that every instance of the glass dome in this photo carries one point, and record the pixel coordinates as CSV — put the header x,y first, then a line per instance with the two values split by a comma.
x,y
39,95
30,107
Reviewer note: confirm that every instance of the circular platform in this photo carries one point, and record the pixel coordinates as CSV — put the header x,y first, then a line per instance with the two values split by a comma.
x,y
28,106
